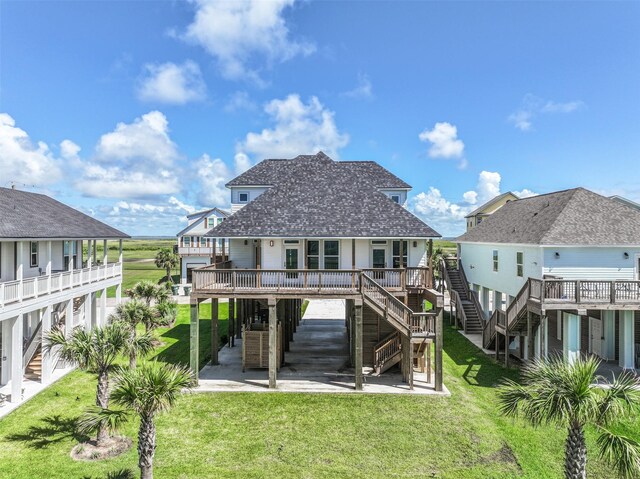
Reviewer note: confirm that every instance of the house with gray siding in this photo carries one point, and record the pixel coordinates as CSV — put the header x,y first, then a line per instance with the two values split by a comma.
x,y
554,273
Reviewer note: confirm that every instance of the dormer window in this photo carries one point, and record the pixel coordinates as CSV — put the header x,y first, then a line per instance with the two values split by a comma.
x,y
243,197
395,198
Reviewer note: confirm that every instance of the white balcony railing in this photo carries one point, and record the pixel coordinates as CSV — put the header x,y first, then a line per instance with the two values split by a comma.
x,y
197,250
17,291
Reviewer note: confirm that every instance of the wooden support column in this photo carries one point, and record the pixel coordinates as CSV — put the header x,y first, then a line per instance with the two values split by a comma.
x,y
530,339
239,313
430,279
358,344
438,351
283,315
506,350
407,358
232,322
215,340
273,338
194,340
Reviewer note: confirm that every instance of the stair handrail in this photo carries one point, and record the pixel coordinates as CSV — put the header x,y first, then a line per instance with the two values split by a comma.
x,y
386,348
32,346
489,330
390,300
473,296
520,301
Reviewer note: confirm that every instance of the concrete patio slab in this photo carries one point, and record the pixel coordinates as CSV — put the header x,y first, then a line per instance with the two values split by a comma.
x,y
318,362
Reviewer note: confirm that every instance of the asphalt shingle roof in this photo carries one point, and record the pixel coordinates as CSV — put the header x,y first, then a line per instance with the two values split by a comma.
x,y
569,217
33,215
272,172
319,197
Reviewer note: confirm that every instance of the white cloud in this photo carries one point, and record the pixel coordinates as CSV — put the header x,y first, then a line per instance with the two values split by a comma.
x,y
146,140
242,163
22,161
526,193
117,182
444,142
242,33
298,129
239,101
533,106
69,150
136,160
363,90
171,83
447,216
213,174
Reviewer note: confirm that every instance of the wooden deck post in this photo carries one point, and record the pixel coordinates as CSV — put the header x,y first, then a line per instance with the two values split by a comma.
x,y
215,340
194,340
506,350
273,334
406,359
283,314
430,264
530,339
438,351
231,323
239,315
358,344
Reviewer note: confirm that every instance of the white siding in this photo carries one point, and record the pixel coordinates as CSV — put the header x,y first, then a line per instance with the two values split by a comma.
x,y
477,260
606,263
363,254
240,254
252,191
401,193
7,271
272,256
417,254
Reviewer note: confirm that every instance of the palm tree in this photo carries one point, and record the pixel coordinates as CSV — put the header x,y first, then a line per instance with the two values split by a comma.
x,y
565,394
166,312
167,259
149,390
149,292
95,350
131,314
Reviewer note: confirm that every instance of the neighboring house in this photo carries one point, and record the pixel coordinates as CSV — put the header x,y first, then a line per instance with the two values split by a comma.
x,y
559,273
196,250
626,201
479,214
46,280
312,227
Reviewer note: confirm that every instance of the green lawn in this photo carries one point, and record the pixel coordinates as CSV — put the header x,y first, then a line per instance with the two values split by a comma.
x,y
138,263
244,435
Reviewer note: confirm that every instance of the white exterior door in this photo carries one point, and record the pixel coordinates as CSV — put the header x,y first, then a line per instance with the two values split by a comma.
x,y
596,336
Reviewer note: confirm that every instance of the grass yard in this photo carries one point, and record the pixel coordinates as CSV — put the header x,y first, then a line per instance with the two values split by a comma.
x,y
138,264
258,435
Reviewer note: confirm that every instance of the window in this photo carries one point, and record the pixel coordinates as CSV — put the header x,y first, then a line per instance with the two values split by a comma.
x,y
313,254
243,197
331,255
69,251
34,254
520,263
495,260
291,241
395,198
186,241
479,220
396,254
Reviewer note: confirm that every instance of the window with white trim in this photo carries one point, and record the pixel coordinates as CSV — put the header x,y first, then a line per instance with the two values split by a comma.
x,y
186,241
395,198
495,260
243,197
520,264
313,254
396,254
331,254
34,254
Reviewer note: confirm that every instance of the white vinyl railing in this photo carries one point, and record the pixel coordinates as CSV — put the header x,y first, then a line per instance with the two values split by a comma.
x,y
16,291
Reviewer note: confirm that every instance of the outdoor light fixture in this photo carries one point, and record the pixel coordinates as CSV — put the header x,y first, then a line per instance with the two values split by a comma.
x,y
626,255
557,255
246,242
271,243
415,244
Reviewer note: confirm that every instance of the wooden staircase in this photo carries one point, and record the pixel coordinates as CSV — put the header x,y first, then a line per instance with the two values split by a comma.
x,y
387,353
33,371
466,300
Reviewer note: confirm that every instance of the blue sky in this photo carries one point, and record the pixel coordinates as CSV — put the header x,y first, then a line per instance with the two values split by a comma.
x,y
139,111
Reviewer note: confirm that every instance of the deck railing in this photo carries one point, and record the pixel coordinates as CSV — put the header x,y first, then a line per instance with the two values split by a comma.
x,y
222,279
386,349
29,288
588,291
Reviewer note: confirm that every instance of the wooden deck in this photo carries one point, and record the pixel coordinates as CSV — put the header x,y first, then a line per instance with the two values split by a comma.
x,y
215,282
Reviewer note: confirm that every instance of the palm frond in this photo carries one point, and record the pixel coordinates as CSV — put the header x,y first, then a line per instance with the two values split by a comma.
x,y
95,418
621,452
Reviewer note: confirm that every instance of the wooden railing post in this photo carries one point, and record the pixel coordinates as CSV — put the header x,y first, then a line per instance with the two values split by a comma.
x,y
577,295
612,291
